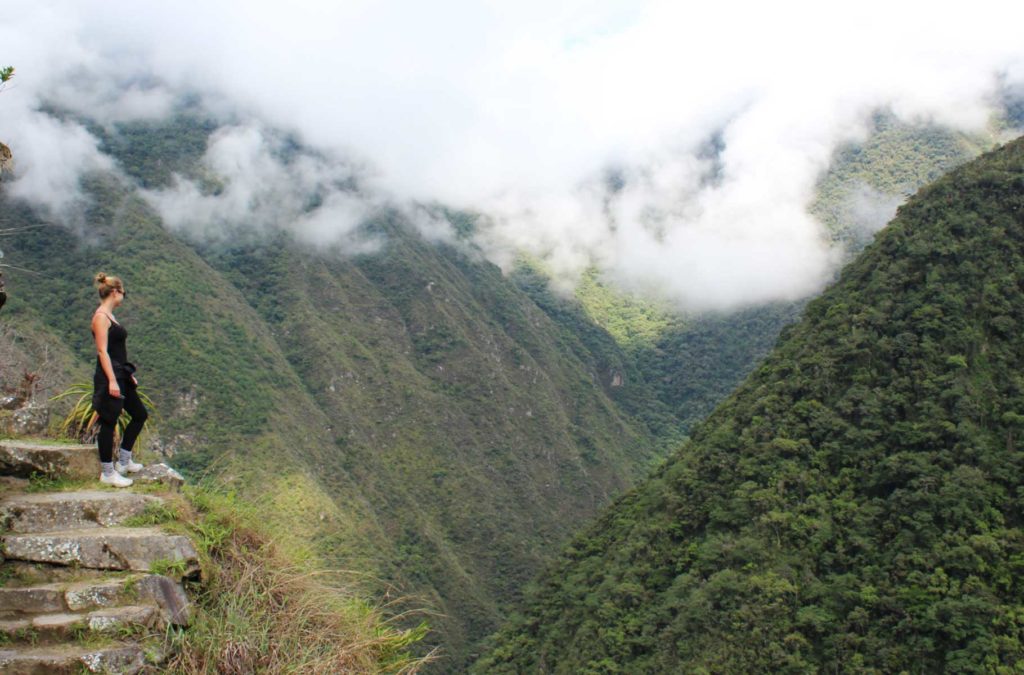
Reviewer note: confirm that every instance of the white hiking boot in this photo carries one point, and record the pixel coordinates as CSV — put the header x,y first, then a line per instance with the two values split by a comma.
x,y
130,467
116,479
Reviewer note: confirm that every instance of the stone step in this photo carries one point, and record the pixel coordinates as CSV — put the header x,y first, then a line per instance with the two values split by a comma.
x,y
68,626
101,593
72,660
54,460
162,592
125,548
21,573
17,602
58,511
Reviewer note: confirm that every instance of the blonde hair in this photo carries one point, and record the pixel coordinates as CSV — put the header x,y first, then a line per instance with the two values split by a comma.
x,y
107,284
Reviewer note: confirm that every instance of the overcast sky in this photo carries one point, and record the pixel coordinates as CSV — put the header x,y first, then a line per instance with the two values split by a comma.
x,y
520,110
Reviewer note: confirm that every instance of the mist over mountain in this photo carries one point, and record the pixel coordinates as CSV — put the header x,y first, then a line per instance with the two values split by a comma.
x,y
449,427
432,285
406,412
855,505
521,116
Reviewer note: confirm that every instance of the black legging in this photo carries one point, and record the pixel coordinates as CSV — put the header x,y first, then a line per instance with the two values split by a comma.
x,y
132,404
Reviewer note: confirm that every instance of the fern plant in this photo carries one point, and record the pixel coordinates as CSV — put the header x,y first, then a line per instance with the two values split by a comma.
x,y
82,421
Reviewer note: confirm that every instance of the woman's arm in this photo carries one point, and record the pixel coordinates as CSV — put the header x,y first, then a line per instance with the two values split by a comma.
x,y
100,328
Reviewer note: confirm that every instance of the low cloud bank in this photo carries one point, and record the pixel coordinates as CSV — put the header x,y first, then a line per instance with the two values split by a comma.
x,y
676,148
251,184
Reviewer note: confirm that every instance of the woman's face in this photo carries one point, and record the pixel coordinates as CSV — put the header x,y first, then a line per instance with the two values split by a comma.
x,y
118,295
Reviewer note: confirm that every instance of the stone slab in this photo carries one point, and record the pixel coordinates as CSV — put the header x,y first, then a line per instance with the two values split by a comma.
x,y
127,659
11,629
112,618
95,594
168,595
66,626
58,511
162,593
31,600
159,473
23,458
56,626
23,573
128,548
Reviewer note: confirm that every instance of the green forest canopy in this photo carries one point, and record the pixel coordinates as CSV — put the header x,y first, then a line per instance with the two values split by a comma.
x,y
856,505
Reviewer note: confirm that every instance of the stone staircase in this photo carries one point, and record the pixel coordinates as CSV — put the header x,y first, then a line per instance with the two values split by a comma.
x,y
78,592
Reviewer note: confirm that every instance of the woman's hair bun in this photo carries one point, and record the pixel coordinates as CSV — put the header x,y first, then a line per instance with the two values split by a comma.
x,y
107,284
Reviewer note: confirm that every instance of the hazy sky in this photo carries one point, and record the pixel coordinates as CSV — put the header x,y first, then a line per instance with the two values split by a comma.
x,y
520,110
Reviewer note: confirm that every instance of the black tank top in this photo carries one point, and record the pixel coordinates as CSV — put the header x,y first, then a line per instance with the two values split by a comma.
x,y
117,348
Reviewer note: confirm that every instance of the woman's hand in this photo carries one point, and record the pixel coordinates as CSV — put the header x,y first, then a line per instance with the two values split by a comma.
x,y
114,389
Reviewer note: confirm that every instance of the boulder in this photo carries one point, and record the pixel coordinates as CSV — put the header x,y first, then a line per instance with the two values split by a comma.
x,y
30,420
159,473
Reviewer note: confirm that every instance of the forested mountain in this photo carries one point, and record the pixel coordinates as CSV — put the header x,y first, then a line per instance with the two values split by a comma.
x,y
409,414
679,366
855,506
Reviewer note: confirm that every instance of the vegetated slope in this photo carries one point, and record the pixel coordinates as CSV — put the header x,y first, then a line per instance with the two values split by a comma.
x,y
408,414
478,434
856,505
867,179
223,388
679,366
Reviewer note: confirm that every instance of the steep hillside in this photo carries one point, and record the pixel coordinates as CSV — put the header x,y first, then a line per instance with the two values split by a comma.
x,y
855,505
223,388
478,434
409,414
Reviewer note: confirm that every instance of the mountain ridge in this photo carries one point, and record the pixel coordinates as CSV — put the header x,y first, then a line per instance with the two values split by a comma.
x,y
387,411
411,413
854,505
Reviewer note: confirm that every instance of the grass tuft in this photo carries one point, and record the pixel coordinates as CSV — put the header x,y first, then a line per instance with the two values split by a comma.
x,y
155,513
257,611
174,569
38,482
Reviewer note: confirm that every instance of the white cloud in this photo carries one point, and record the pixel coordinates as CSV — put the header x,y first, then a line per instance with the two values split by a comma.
x,y
50,157
519,110
253,183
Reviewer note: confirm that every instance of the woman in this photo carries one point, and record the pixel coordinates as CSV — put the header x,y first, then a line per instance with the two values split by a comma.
x,y
115,385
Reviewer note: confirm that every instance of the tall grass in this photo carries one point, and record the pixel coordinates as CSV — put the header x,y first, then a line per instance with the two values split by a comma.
x,y
257,612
